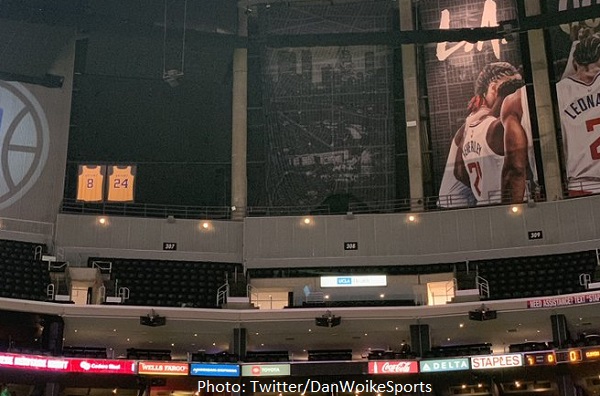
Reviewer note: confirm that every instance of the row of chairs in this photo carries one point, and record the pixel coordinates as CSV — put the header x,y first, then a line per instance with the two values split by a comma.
x,y
23,275
170,283
536,276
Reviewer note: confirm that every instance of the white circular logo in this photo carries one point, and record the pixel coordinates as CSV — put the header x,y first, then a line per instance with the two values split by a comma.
x,y
24,141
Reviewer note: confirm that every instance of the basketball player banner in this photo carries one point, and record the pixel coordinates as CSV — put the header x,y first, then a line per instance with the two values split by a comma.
x,y
467,86
90,183
121,183
575,48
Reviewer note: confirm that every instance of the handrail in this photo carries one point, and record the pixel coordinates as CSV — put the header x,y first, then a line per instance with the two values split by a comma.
x,y
585,279
124,293
50,291
38,252
222,294
484,286
251,292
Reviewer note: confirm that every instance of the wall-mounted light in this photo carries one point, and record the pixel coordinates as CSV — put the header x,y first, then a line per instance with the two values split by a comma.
x,y
102,220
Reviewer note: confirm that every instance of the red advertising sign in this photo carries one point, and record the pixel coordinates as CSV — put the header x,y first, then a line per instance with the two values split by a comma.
x,y
394,367
163,368
102,366
33,362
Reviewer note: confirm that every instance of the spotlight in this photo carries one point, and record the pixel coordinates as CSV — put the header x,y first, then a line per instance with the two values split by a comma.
x,y
205,225
411,218
102,220
307,220
514,209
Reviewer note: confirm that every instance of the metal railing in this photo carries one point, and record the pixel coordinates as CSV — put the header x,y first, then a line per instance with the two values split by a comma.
x,y
484,287
222,294
585,280
431,203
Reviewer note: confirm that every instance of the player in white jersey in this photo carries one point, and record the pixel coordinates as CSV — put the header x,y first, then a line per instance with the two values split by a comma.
x,y
480,159
579,106
519,172
453,193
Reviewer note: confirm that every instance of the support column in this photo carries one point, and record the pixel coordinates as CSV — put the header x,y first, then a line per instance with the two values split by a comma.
x,y
560,330
239,127
543,103
239,342
411,107
420,339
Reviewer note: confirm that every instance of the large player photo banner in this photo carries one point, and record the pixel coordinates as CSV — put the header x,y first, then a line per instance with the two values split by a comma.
x,y
575,48
480,129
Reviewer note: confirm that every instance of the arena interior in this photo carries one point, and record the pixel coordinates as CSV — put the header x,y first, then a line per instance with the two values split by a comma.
x,y
299,197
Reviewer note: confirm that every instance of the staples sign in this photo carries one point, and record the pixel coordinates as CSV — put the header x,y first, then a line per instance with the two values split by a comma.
x,y
394,367
496,361
163,368
102,366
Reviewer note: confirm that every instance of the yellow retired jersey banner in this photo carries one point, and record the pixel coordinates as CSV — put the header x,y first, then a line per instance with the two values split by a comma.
x,y
121,183
90,183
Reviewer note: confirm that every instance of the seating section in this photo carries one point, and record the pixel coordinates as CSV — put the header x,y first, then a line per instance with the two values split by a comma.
x,y
149,354
380,354
85,352
530,346
460,350
513,277
329,354
358,303
418,269
220,357
170,283
267,356
22,276
534,276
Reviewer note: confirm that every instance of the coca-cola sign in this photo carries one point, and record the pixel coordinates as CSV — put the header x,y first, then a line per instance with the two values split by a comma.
x,y
394,367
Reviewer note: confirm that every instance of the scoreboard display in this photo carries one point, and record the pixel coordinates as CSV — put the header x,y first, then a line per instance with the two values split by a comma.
x,y
591,354
570,356
540,358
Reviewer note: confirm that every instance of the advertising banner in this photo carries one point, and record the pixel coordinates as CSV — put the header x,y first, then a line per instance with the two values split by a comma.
x,y
215,370
104,366
439,365
575,49
265,370
163,368
496,361
394,367
33,362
